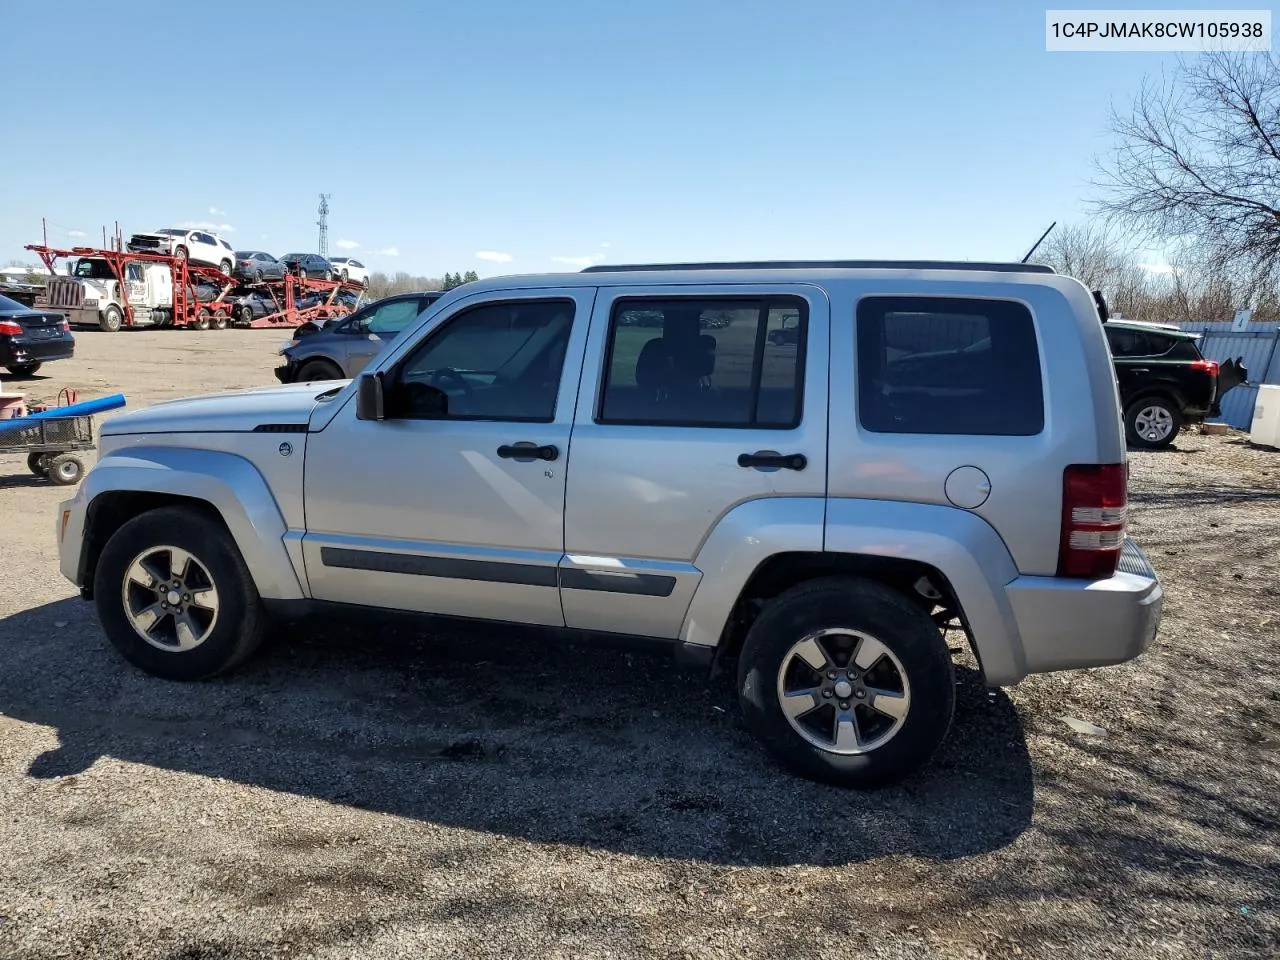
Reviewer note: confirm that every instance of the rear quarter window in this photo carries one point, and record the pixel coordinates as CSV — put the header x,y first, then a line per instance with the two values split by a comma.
x,y
948,365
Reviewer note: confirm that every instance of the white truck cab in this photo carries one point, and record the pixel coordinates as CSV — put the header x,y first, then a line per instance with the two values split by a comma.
x,y
90,295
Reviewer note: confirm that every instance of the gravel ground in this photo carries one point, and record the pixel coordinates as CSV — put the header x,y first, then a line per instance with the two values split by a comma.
x,y
391,794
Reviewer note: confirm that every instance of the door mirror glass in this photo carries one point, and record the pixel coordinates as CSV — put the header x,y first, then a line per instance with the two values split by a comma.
x,y
370,398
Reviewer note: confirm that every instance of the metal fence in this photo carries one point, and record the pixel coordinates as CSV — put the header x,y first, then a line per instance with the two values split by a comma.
x,y
1258,345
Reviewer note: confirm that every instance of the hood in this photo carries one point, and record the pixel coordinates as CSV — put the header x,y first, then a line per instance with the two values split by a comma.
x,y
238,411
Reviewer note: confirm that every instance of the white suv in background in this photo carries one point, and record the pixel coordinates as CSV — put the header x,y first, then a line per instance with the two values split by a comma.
x,y
197,246
351,271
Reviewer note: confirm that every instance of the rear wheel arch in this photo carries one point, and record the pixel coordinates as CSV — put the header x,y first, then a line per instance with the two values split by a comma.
x,y
781,572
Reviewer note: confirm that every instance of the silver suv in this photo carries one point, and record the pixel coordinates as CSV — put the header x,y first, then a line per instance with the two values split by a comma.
x,y
808,468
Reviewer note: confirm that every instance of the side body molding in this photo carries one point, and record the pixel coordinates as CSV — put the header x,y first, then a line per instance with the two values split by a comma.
x,y
229,483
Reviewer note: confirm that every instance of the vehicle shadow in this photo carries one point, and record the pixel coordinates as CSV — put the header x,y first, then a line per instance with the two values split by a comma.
x,y
487,730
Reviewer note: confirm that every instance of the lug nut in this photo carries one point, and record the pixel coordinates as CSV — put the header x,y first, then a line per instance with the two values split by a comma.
x,y
844,704
827,694
860,694
831,674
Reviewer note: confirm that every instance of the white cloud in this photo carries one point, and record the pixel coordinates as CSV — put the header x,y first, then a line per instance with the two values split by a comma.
x,y
216,212
207,225
76,233
347,245
263,237
580,261
493,256
606,244
1161,268
386,252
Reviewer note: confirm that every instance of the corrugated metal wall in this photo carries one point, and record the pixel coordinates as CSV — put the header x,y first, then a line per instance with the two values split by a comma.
x,y
1259,345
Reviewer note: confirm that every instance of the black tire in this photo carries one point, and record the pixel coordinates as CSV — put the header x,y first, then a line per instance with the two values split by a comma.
x,y
344,276
257,276
225,266
901,625
202,319
241,621
245,315
23,369
111,319
65,469
1152,437
180,253
220,320
36,464
319,370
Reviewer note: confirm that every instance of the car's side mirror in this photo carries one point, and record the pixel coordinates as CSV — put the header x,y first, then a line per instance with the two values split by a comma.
x,y
370,397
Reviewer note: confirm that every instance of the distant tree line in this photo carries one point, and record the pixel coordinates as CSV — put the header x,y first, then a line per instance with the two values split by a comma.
x,y
383,285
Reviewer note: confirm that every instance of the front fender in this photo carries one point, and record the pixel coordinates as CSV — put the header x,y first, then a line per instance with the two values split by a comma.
x,y
229,483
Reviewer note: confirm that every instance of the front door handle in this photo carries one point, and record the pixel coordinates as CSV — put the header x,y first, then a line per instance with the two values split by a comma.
x,y
524,450
774,460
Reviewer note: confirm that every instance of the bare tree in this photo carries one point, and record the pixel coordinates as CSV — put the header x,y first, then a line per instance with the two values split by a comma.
x,y
1198,164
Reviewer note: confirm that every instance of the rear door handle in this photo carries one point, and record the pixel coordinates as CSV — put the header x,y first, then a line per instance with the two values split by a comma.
x,y
524,450
771,459
1139,369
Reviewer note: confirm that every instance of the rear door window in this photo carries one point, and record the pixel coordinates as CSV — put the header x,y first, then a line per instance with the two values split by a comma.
x,y
944,365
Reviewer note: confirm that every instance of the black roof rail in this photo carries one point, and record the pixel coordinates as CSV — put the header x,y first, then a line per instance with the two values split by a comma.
x,y
827,265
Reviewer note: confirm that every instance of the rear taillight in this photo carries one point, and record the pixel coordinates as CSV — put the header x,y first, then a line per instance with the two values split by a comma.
x,y
1208,366
1094,508
9,328
65,324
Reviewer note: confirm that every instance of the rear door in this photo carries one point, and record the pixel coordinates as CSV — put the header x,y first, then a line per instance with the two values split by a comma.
x,y
690,405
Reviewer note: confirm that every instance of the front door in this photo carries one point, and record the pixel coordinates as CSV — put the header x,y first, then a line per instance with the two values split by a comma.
x,y
690,406
454,504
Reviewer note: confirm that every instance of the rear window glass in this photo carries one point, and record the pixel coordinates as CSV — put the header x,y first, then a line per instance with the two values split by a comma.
x,y
1183,350
943,365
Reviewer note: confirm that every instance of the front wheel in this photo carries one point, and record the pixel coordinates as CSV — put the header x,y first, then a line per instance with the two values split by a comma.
x,y
319,370
344,276
174,595
111,319
847,681
1152,423
225,267
38,464
23,369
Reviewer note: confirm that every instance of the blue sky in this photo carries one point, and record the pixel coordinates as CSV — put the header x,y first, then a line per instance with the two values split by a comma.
x,y
582,131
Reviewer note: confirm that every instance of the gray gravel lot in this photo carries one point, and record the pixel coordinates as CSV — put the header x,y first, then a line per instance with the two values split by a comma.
x,y
388,793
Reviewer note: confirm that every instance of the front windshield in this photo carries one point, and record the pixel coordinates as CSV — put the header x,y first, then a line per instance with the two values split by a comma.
x,y
94,270
172,233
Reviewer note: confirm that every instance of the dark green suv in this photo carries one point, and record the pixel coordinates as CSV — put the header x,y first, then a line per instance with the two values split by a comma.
x,y
1165,381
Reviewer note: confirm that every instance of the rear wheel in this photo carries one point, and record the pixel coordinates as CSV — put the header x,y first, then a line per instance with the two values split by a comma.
x,y
65,469
1152,423
344,276
23,369
847,681
245,315
111,319
219,320
202,319
319,370
225,267
174,595
36,463
180,253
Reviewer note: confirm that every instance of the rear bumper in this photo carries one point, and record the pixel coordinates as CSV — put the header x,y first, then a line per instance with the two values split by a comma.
x,y
1066,624
26,350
